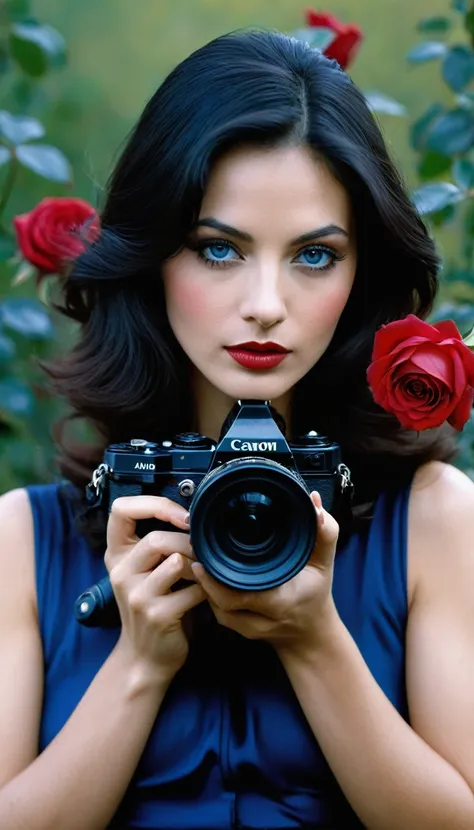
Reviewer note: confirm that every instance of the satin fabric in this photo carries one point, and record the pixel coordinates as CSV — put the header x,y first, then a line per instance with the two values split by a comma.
x,y
230,747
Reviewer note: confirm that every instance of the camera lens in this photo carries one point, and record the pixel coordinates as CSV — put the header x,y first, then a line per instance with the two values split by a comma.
x,y
249,521
252,523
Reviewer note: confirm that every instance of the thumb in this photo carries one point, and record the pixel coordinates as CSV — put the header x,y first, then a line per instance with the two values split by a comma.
x,y
327,533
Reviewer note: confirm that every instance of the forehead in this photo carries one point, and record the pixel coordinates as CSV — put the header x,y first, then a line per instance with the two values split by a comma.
x,y
281,184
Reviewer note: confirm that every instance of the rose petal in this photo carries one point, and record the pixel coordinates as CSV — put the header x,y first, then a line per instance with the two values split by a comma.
x,y
388,337
56,231
462,411
434,361
467,358
459,373
447,329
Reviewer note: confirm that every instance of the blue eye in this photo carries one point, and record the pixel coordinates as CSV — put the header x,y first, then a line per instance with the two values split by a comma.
x,y
317,258
218,252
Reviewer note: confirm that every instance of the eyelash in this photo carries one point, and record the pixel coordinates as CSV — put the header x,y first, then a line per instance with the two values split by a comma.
x,y
200,247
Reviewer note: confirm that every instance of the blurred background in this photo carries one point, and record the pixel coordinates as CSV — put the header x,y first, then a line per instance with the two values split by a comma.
x,y
74,76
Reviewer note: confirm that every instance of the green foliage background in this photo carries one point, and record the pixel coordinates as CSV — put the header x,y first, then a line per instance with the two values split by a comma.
x,y
118,52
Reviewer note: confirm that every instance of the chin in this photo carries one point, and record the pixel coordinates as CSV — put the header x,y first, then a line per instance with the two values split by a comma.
x,y
259,386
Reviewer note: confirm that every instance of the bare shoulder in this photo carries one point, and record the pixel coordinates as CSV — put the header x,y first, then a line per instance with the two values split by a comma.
x,y
17,543
16,501
15,514
21,654
440,526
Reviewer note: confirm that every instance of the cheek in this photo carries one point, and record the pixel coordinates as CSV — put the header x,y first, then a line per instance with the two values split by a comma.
x,y
185,300
195,308
324,311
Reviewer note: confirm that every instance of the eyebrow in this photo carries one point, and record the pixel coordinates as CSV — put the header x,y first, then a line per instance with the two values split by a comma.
x,y
317,233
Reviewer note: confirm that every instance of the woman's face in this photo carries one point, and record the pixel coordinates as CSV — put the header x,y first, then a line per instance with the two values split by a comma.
x,y
256,294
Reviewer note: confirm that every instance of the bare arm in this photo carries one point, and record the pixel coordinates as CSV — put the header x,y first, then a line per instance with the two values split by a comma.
x,y
81,777
396,776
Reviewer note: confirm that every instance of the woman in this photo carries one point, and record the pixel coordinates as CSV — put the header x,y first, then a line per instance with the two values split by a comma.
x,y
254,202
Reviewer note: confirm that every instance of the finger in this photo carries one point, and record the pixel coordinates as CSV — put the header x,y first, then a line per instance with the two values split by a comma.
x,y
179,565
181,601
153,548
225,598
160,581
324,550
127,510
252,626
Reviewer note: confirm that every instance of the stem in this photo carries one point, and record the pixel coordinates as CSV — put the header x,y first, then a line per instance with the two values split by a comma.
x,y
9,184
471,13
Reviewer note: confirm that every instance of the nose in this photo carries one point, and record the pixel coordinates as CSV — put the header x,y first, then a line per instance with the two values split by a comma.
x,y
264,300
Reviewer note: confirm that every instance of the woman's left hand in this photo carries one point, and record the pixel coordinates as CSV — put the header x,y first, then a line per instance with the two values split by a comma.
x,y
298,615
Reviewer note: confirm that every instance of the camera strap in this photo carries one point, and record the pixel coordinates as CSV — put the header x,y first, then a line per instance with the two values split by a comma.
x,y
95,490
344,495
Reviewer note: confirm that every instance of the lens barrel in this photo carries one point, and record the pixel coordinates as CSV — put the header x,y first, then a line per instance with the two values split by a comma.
x,y
252,523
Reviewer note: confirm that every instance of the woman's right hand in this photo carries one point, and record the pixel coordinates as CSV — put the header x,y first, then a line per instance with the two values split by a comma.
x,y
142,573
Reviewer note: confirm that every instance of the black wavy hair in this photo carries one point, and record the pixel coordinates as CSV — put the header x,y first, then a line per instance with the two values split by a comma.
x,y
127,375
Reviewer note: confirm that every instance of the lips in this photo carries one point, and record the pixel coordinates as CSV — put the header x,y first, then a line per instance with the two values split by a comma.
x,y
258,356
253,346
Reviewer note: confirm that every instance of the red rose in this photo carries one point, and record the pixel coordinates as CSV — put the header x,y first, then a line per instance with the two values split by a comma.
x,y
55,232
423,374
348,39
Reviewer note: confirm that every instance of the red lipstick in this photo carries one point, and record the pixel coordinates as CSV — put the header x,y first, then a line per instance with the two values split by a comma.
x,y
258,356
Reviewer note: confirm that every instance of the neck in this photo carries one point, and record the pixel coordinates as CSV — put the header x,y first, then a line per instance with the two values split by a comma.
x,y
212,407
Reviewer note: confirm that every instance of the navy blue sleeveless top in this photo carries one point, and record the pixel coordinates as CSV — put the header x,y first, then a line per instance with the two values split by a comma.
x,y
230,747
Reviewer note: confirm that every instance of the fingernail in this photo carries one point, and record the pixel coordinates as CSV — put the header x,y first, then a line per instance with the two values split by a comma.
x,y
197,569
186,519
319,510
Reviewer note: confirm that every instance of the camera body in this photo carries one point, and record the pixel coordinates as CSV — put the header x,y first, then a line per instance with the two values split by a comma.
x,y
252,521
176,468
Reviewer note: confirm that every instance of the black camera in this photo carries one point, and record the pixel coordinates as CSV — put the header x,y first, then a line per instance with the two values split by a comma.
x,y
252,521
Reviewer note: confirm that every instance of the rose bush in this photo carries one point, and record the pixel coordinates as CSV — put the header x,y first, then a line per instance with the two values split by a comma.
x,y
55,232
422,373
346,44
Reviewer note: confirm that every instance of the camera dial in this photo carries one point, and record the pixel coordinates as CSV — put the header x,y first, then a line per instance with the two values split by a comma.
x,y
192,441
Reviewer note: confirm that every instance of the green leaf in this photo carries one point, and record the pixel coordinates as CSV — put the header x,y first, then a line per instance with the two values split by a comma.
x,y
428,51
463,173
19,128
45,160
458,67
469,338
7,246
452,133
437,25
431,198
26,271
15,397
433,164
379,102
419,130
467,235
4,59
317,36
469,22
37,48
5,155
26,317
7,348
442,217
466,99
17,9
